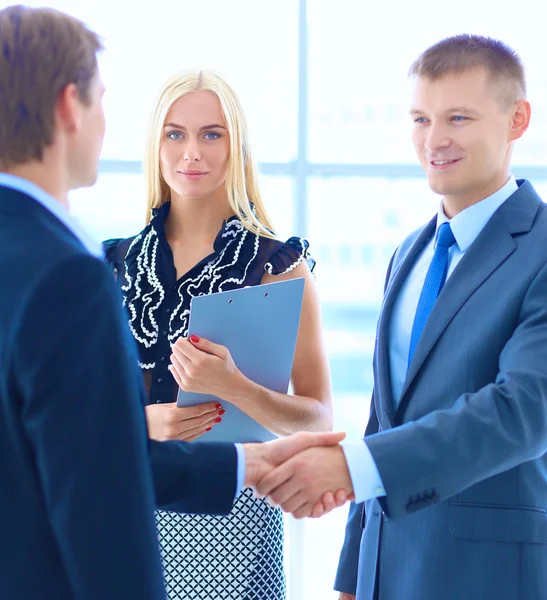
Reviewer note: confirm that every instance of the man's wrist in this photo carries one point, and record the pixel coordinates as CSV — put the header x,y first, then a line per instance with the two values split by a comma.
x,y
343,469
252,464
365,477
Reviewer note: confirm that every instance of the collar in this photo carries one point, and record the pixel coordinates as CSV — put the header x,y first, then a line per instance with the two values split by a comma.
x,y
467,225
54,207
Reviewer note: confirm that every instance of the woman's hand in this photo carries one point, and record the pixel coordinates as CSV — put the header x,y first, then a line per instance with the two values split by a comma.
x,y
200,366
170,422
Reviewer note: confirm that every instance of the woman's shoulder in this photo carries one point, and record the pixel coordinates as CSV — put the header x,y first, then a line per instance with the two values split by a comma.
x,y
284,256
115,249
110,248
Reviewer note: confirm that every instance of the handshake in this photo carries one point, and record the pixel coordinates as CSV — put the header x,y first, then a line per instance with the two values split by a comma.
x,y
306,474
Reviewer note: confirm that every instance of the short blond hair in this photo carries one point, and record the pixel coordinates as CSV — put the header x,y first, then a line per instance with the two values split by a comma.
x,y
464,52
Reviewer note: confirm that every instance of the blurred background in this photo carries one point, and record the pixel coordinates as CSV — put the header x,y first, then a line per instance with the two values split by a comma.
x,y
325,91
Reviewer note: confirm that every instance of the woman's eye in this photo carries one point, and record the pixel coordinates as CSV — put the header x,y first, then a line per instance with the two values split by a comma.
x,y
174,135
212,135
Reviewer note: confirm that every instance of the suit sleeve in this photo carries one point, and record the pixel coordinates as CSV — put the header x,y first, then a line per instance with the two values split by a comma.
x,y
499,427
82,414
194,478
188,478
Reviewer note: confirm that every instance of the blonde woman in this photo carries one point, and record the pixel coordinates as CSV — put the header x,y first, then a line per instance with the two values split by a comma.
x,y
208,231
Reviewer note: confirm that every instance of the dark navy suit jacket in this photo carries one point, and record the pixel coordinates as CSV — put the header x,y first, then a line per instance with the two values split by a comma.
x,y
76,491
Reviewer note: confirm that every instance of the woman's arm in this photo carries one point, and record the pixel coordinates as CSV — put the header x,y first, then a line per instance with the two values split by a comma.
x,y
310,408
208,368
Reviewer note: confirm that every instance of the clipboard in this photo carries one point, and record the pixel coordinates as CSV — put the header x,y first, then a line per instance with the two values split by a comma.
x,y
259,325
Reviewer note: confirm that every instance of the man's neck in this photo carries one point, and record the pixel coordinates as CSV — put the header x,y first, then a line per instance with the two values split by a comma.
x,y
45,176
452,205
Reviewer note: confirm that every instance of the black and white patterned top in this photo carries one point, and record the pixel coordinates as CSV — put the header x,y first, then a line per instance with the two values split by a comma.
x,y
239,557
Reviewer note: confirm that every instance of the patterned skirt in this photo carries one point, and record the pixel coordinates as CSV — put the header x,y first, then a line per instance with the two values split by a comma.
x,y
237,557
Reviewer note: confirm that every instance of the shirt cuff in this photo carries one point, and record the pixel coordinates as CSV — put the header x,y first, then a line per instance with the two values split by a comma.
x,y
363,471
240,468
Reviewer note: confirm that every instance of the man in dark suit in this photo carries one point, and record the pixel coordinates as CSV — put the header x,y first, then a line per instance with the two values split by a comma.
x,y
76,491
452,474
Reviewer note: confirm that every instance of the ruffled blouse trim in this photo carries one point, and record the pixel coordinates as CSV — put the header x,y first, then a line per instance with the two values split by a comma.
x,y
235,252
291,255
236,248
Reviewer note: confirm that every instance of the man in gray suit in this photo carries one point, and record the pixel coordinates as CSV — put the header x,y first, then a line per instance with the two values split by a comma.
x,y
452,474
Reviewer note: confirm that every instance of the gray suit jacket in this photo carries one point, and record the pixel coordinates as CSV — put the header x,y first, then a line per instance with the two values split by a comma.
x,y
463,456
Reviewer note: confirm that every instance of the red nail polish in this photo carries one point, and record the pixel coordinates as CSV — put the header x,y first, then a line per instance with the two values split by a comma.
x,y
208,429
218,420
218,405
221,412
194,339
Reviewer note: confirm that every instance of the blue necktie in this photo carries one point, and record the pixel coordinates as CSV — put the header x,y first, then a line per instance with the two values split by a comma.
x,y
434,281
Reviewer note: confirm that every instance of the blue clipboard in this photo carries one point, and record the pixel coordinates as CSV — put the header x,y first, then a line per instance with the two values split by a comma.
x,y
259,325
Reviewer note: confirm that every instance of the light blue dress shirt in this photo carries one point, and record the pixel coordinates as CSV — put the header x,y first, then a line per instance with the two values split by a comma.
x,y
240,468
94,248
466,227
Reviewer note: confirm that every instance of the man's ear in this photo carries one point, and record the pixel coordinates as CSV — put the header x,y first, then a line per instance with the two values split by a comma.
x,y
520,119
68,109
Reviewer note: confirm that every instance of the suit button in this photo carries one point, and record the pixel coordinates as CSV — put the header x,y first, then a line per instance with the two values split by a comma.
x,y
165,333
384,516
158,401
162,359
160,379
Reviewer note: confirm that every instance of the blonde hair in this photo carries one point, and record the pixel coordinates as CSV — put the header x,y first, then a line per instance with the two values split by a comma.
x,y
242,181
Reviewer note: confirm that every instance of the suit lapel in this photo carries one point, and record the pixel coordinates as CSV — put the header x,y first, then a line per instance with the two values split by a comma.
x,y
491,248
384,399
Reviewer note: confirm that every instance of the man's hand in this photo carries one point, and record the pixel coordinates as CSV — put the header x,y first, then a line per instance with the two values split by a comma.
x,y
344,596
301,481
262,458
329,502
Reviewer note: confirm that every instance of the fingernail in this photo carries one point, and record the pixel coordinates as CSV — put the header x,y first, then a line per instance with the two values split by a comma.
x,y
194,339
218,405
221,412
218,420
208,429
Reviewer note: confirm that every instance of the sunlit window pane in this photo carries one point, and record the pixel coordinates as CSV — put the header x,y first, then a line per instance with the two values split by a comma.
x,y
251,43
359,56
